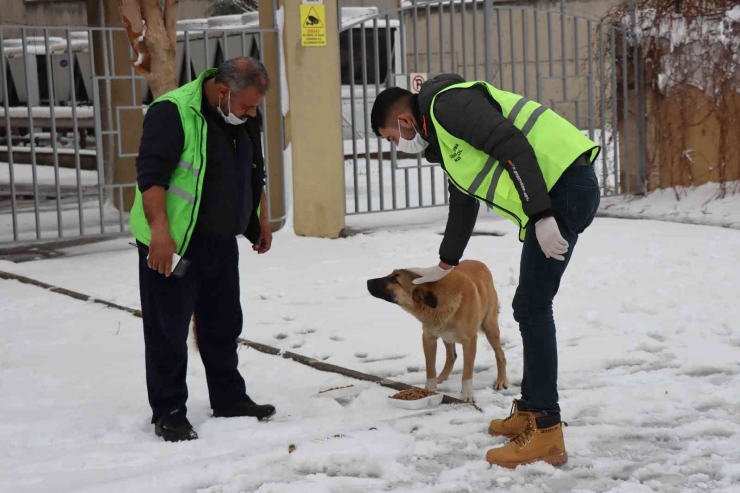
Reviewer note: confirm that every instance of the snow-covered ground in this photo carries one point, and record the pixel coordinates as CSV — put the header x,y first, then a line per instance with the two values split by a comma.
x,y
649,363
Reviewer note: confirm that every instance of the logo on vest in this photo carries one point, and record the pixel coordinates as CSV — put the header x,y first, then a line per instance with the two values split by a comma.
x,y
456,153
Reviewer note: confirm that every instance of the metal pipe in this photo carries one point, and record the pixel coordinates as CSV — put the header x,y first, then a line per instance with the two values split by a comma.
x,y
98,135
404,69
376,56
441,36
9,134
366,119
475,41
615,120
120,207
416,69
603,109
429,38
416,39
453,58
513,52
563,45
350,35
500,48
389,83
537,54
525,48
463,31
549,43
625,105
641,171
24,43
188,62
590,84
52,113
487,51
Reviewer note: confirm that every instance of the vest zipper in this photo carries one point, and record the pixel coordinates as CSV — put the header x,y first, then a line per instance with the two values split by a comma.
x,y
518,221
197,187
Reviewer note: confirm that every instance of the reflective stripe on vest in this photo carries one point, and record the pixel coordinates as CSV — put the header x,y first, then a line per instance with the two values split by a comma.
x,y
556,142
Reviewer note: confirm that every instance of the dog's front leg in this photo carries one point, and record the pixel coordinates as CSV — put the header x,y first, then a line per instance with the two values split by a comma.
x,y
469,349
430,355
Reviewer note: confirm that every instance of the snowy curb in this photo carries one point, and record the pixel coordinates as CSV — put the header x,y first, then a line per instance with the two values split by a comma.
x,y
681,220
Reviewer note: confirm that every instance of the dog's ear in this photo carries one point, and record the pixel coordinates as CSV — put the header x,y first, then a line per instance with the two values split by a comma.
x,y
423,294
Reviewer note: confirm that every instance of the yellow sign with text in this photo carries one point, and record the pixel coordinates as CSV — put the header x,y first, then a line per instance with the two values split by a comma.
x,y
313,25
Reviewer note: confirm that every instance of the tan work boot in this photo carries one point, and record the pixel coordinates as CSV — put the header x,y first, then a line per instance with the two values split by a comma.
x,y
514,424
534,444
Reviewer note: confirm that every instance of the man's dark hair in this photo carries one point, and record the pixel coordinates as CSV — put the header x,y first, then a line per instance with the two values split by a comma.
x,y
389,103
240,73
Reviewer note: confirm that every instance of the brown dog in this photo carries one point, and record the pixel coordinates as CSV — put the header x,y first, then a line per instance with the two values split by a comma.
x,y
454,308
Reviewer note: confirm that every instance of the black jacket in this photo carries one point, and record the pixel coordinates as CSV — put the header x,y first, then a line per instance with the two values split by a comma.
x,y
474,116
232,185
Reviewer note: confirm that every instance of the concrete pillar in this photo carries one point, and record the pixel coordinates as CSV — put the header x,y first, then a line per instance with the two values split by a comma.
x,y
314,125
273,119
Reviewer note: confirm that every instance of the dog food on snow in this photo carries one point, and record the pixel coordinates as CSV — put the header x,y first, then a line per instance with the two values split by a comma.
x,y
413,394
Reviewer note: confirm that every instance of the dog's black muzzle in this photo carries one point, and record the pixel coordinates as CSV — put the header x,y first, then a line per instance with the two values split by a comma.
x,y
377,288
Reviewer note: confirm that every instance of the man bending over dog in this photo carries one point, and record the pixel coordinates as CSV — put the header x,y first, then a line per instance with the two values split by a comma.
x,y
533,167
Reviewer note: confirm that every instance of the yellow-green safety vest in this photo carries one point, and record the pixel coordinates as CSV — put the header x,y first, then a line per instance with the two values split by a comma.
x,y
183,195
556,143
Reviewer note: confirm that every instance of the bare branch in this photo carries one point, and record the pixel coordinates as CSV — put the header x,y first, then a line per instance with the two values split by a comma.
x,y
170,18
136,33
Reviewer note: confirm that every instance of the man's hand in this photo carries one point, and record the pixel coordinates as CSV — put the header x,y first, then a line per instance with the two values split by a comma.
x,y
161,249
551,241
265,243
431,274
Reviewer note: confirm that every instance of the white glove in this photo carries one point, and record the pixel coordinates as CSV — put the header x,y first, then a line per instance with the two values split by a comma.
x,y
429,274
551,241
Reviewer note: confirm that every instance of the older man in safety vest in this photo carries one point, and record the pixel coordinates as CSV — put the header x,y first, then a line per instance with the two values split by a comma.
x,y
200,177
534,168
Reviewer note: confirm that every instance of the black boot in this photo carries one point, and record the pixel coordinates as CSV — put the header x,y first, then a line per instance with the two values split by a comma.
x,y
174,427
246,407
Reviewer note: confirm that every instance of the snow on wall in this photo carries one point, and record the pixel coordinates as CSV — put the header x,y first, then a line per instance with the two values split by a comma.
x,y
692,48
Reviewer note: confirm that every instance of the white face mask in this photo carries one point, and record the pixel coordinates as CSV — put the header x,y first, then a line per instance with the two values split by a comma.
x,y
414,146
231,118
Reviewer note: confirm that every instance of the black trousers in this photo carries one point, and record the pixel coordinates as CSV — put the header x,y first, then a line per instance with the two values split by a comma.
x,y
210,289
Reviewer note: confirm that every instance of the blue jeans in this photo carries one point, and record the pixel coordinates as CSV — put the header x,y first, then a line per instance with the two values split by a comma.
x,y
575,199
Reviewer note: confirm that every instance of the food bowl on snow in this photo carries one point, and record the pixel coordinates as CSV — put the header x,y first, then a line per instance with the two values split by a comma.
x,y
416,399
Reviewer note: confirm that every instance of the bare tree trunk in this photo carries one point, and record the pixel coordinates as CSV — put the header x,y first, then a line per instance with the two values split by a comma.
x,y
152,31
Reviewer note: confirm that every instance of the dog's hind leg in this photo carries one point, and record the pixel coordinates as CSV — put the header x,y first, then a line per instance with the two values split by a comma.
x,y
491,329
449,362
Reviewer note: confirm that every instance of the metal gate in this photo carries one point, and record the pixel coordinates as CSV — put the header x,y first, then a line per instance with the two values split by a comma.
x,y
578,67
61,113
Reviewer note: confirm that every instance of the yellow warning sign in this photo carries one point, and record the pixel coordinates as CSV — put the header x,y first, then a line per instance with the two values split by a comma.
x,y
313,25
